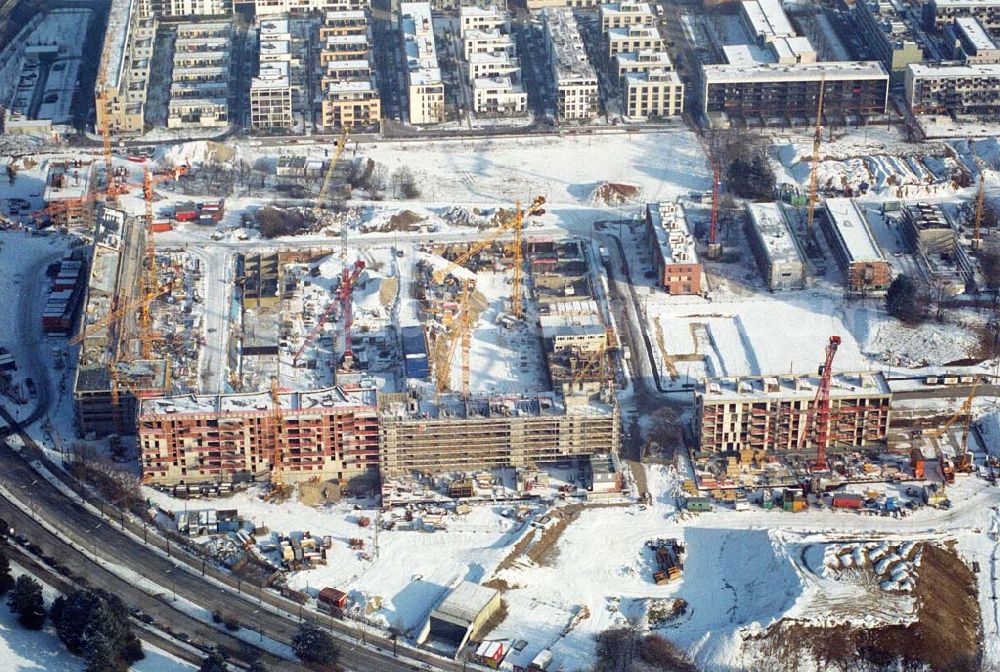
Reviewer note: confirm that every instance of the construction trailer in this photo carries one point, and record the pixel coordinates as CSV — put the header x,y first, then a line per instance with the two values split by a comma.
x,y
866,271
325,434
775,414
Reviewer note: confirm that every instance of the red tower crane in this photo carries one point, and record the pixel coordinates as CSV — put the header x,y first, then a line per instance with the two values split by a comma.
x,y
343,298
821,406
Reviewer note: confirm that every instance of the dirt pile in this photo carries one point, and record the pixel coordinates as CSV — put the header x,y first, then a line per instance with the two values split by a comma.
x,y
615,193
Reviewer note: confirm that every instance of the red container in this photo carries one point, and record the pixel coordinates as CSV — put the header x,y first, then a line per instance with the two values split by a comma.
x,y
185,215
160,227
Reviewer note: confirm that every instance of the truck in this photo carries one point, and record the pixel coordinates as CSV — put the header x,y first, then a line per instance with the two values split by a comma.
x,y
917,463
670,554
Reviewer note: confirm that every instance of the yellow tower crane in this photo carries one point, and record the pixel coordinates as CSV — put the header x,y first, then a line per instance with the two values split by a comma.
x,y
980,206
965,411
814,172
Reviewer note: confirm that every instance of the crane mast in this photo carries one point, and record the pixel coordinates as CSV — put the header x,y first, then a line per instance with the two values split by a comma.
x,y
822,405
714,248
814,172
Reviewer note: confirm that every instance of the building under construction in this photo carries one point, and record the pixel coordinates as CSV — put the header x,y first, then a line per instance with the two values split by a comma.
x,y
752,416
104,406
67,190
866,271
491,432
331,433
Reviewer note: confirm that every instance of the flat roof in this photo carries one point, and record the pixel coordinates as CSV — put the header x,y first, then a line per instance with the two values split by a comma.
x,y
66,181
629,8
333,15
631,32
772,225
260,402
792,72
465,602
116,38
570,56
852,230
653,75
973,31
767,18
673,234
785,386
418,39
355,85
966,4
650,57
955,69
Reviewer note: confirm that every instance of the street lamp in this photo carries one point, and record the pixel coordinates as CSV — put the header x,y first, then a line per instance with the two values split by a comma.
x,y
173,581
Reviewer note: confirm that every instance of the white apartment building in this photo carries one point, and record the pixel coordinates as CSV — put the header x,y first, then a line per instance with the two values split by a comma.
x,y
200,79
482,18
347,22
125,58
271,97
641,61
498,96
487,42
351,104
954,88
424,87
634,38
301,7
173,9
653,93
492,65
624,14
573,76
198,113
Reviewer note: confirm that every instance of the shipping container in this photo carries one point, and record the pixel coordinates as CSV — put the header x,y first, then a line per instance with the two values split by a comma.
x,y
698,504
161,226
185,215
847,500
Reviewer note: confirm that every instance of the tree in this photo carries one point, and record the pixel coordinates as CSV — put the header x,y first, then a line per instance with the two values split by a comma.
x,y
6,580
312,644
405,184
902,301
86,616
100,655
26,601
258,666
11,173
663,654
216,662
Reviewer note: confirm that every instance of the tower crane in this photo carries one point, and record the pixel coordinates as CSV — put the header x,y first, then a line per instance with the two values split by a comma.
x,y
460,331
964,456
328,176
814,171
980,207
342,298
714,247
821,407
515,222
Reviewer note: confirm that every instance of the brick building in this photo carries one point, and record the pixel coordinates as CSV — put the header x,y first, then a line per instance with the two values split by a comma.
x,y
865,268
675,259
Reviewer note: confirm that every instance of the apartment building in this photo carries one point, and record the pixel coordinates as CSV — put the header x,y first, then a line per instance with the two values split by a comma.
x,y
487,18
573,77
200,79
964,89
937,14
329,434
198,113
777,414
633,38
491,432
492,41
653,93
791,92
348,22
178,9
973,44
351,103
885,31
866,271
765,20
499,96
625,14
345,48
125,59
336,71
424,86
675,257
775,247
303,7
271,98
640,61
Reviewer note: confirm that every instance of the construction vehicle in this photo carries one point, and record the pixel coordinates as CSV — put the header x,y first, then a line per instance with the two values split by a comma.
x,y
821,408
964,462
814,170
515,223
669,554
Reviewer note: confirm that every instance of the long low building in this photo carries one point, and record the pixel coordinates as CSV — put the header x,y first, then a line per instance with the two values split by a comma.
x,y
775,247
777,413
865,268
791,91
491,432
329,433
954,88
937,14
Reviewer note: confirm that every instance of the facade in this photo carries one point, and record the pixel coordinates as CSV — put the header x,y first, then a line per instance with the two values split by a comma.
x,y
641,61
66,196
330,433
865,268
486,18
765,20
271,98
199,89
937,14
301,7
791,91
775,247
494,72
675,258
499,96
125,59
491,432
633,38
654,93
972,42
886,32
461,615
175,9
351,103
625,14
487,42
424,87
954,88
776,414
573,77
348,22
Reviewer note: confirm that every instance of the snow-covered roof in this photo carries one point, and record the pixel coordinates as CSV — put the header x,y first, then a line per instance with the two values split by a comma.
x,y
673,237
972,30
851,228
774,232
418,38
767,19
116,39
785,386
954,70
261,402
792,72
465,603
